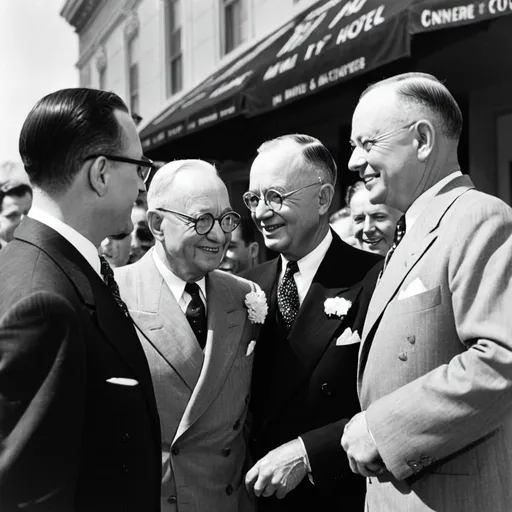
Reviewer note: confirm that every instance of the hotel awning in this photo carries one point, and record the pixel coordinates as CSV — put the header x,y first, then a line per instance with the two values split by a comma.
x,y
333,41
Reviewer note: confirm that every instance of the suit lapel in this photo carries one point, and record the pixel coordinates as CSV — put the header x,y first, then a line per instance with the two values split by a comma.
x,y
226,321
164,324
414,245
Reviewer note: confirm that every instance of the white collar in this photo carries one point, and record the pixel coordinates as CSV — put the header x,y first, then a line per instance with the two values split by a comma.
x,y
175,283
83,245
421,202
308,265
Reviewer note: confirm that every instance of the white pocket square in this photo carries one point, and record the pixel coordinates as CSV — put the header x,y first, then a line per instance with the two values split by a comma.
x,y
348,338
250,348
122,381
415,288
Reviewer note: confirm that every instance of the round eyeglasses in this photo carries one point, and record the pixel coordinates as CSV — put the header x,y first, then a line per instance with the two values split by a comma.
x,y
203,224
272,197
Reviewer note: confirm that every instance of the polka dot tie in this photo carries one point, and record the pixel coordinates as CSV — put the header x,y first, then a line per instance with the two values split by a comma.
x,y
108,278
287,295
399,234
196,313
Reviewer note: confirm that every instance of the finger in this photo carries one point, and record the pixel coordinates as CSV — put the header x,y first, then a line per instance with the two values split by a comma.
x,y
353,465
251,477
370,469
261,484
281,493
268,491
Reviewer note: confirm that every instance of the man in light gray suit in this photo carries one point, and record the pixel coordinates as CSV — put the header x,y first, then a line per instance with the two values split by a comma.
x,y
435,364
194,326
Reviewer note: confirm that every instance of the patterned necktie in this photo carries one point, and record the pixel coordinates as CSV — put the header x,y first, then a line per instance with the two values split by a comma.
x,y
196,313
288,296
108,278
399,234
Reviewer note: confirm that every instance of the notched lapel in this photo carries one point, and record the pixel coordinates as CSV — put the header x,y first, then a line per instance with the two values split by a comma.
x,y
226,321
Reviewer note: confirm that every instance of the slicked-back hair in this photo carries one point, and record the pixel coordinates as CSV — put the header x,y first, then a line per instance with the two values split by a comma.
x,y
63,129
426,90
313,151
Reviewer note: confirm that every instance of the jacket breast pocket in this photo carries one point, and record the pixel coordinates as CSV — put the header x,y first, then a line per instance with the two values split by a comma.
x,y
420,302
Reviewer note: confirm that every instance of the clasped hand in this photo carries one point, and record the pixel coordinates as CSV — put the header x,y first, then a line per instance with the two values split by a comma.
x,y
363,455
279,472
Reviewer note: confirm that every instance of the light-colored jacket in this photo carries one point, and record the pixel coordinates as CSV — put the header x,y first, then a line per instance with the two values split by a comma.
x,y
435,365
202,398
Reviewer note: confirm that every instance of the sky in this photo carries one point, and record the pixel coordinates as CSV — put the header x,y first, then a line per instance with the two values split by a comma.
x,y
38,52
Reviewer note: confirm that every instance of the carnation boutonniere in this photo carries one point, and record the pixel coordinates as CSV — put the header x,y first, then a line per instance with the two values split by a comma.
x,y
257,308
337,306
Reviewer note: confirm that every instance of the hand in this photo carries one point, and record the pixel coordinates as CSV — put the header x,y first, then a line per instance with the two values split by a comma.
x,y
279,472
363,455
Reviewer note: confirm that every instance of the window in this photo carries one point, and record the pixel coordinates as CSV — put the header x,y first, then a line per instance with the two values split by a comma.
x,y
173,47
102,78
133,73
234,24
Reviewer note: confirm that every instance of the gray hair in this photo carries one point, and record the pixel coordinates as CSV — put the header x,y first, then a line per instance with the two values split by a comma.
x,y
164,177
426,90
314,152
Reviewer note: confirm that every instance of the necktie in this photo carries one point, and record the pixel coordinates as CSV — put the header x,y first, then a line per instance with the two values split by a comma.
x,y
108,278
288,296
196,313
399,234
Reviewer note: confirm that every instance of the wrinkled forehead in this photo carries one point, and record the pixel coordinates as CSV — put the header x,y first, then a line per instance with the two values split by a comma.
x,y
199,191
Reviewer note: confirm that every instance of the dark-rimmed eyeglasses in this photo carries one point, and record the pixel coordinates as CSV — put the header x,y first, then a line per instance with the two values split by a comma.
x,y
272,197
367,145
203,224
143,166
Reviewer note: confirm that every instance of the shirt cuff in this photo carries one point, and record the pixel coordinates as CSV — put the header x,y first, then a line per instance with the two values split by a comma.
x,y
305,455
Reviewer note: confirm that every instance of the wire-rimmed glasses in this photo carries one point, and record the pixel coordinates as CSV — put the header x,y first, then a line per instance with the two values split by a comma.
x,y
143,166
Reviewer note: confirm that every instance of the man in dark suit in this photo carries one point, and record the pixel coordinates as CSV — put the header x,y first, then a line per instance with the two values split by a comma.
x,y
79,429
304,381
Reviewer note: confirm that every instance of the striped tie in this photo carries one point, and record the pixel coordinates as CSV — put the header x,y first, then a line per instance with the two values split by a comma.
x,y
108,278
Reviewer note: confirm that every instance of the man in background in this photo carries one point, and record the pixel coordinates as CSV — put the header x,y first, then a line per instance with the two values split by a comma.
x,y
79,427
193,324
15,202
304,384
243,250
116,250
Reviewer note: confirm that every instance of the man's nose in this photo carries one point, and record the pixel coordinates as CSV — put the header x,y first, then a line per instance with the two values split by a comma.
x,y
216,234
368,225
262,210
357,161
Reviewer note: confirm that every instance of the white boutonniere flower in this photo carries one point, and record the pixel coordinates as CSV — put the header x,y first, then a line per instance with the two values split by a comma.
x,y
257,308
337,306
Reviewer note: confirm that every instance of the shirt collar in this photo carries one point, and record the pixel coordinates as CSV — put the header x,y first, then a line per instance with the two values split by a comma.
x,y
83,245
175,283
421,202
308,265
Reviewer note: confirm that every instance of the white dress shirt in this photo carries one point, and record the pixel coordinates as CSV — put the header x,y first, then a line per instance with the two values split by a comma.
x,y
177,285
83,245
308,266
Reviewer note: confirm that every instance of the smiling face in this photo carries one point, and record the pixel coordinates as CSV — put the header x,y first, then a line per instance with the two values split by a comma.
x,y
383,137
294,230
191,256
116,252
373,224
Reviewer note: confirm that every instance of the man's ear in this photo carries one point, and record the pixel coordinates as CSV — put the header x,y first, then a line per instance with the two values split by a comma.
x,y
155,220
99,176
254,250
325,198
425,139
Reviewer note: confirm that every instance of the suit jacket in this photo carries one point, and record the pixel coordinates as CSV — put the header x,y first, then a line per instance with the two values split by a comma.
x,y
304,384
435,372
202,397
70,440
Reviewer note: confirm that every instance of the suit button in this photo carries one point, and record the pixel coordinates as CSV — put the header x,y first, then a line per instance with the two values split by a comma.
x,y
326,389
402,356
171,499
229,490
236,425
175,450
226,451
411,339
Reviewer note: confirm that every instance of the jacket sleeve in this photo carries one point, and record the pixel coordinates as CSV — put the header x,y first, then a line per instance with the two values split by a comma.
x,y
42,397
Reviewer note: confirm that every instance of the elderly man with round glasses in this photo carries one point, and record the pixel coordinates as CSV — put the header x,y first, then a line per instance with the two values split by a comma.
x,y
194,325
304,384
